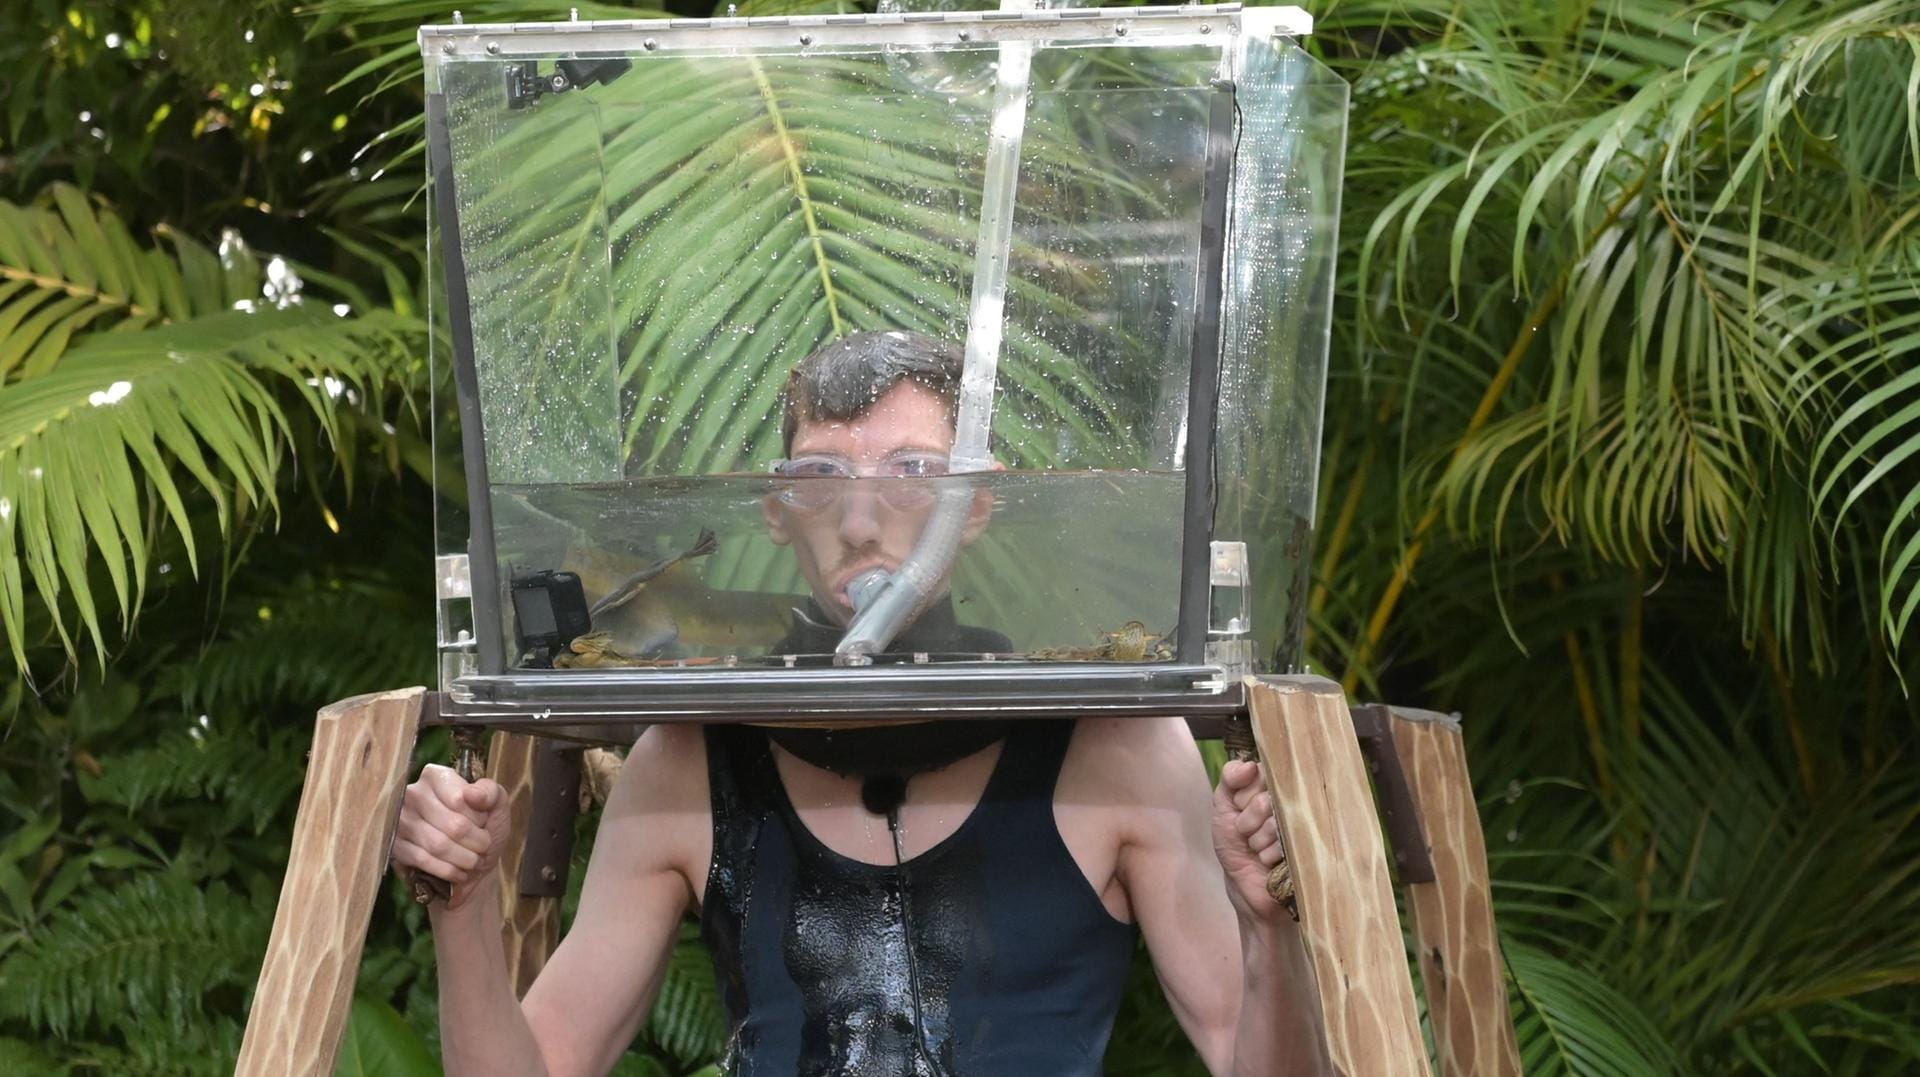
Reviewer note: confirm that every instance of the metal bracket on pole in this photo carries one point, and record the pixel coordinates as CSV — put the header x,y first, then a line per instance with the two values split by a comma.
x,y
1398,805
556,801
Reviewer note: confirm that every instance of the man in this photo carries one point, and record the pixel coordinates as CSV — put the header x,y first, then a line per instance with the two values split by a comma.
x,y
948,899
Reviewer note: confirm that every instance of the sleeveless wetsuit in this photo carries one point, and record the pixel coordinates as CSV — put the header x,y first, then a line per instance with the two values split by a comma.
x,y
988,955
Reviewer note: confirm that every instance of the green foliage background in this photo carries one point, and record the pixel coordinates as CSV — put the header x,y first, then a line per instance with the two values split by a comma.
x,y
1620,463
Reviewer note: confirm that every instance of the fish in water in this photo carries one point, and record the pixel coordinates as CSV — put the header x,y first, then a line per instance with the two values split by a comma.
x,y
626,589
667,606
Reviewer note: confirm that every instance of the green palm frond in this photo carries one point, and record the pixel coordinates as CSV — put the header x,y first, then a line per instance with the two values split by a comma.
x,y
1737,911
1572,1022
1753,928
753,209
1678,252
92,450
73,267
1619,490
1868,452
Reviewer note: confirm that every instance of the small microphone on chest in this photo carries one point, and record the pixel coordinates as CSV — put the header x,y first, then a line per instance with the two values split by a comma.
x,y
882,794
883,758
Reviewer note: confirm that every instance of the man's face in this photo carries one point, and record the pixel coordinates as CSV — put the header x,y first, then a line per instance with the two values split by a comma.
x,y
843,528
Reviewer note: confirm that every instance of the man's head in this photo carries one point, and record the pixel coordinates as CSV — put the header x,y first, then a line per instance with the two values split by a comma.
x,y
877,405
844,379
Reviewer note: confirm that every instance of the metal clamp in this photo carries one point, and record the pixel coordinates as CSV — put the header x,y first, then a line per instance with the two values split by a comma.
x,y
556,803
1373,722
525,84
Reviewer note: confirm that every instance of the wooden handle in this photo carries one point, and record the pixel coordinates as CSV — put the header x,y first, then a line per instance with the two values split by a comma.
x,y
428,889
341,839
1459,949
1349,928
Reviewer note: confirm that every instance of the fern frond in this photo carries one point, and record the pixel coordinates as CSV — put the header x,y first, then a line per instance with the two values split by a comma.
x,y
211,763
688,1022
313,638
205,1047
135,956
19,1056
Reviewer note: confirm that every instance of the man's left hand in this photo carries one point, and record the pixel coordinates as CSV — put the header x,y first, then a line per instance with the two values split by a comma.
x,y
1246,839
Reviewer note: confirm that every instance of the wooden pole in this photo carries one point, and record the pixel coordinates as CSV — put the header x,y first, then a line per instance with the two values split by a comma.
x,y
529,924
341,838
1323,803
1460,961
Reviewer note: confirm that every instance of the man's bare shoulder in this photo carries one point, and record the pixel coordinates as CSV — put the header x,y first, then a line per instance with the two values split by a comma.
x,y
667,762
659,815
1150,761
673,744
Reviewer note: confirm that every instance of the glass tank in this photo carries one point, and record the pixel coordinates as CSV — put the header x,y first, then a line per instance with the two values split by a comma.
x,y
882,364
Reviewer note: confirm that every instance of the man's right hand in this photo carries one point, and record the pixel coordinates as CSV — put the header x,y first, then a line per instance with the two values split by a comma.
x,y
452,829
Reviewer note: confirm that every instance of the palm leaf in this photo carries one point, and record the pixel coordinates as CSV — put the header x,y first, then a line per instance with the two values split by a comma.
x,y
1570,1021
91,448
727,160
1698,317
73,267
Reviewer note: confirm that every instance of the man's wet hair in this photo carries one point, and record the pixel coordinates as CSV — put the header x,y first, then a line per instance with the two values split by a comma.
x,y
842,380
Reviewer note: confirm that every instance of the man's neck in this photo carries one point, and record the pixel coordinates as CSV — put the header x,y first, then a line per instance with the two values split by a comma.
x,y
937,803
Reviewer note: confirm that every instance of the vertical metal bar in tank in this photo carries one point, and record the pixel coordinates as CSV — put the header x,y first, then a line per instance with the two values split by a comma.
x,y
986,313
1203,382
917,578
473,446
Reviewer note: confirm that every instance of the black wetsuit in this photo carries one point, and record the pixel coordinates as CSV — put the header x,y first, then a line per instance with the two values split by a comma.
x,y
988,955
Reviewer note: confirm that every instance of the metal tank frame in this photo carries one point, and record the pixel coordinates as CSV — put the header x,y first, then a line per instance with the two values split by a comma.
x,y
1203,680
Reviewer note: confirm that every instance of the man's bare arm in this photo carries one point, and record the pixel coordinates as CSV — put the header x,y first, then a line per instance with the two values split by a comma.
x,y
591,997
653,844
1232,966
455,831
1279,979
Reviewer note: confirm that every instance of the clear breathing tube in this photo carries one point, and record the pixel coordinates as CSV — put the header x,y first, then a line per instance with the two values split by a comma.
x,y
884,602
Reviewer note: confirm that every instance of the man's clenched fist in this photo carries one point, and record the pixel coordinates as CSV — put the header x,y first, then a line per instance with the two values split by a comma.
x,y
1246,838
451,829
